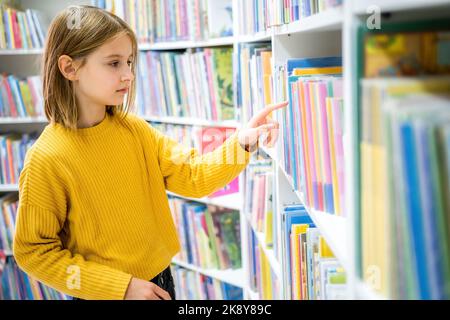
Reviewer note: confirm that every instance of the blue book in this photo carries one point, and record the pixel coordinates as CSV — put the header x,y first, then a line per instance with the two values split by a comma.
x,y
414,205
313,63
430,211
289,217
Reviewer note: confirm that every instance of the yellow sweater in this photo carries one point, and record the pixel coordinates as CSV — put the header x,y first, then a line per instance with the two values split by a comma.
x,y
93,210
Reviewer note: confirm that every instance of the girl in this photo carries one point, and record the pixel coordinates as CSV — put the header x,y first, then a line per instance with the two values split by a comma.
x,y
93,218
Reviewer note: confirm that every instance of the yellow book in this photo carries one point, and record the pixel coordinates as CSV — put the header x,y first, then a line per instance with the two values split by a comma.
x,y
296,230
324,249
266,57
307,140
316,71
336,198
11,30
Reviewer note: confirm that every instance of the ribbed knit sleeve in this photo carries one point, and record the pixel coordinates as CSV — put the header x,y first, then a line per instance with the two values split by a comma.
x,y
37,246
190,174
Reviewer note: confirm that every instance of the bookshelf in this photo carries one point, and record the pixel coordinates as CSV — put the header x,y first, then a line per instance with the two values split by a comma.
x,y
328,33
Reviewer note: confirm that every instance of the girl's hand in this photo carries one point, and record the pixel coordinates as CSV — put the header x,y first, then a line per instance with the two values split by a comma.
x,y
260,124
145,290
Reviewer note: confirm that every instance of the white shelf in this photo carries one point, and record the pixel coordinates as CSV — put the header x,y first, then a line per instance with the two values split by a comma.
x,y
177,45
259,36
22,120
269,151
9,187
365,292
253,295
334,230
231,276
331,19
230,201
11,52
193,121
361,6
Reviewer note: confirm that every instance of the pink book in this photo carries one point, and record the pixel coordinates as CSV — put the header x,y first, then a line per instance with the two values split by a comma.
x,y
328,186
336,105
306,164
312,157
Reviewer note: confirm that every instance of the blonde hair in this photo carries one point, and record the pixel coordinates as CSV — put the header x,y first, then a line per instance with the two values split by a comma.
x,y
78,31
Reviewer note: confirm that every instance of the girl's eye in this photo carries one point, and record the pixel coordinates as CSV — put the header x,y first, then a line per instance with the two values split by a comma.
x,y
114,64
129,63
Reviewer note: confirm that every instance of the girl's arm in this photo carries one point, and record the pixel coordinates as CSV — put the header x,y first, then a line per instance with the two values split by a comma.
x,y
37,246
189,174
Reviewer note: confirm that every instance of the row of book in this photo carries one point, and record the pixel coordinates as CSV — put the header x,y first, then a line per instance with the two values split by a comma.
x,y
254,78
209,235
191,285
21,97
195,84
8,214
256,16
312,272
21,29
260,200
263,279
202,139
404,155
173,20
13,148
312,130
17,285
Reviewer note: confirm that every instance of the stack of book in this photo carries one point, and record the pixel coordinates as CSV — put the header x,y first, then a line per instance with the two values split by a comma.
x,y
21,97
404,105
173,20
13,148
256,16
209,235
21,29
312,130
312,271
192,84
190,285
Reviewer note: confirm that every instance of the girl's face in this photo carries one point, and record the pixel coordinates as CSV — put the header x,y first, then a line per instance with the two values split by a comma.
x,y
106,76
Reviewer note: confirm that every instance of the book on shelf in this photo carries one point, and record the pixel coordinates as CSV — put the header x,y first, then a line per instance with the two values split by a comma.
x,y
196,84
404,101
312,272
254,77
263,279
21,29
259,199
256,16
192,285
173,20
13,148
312,131
21,97
209,235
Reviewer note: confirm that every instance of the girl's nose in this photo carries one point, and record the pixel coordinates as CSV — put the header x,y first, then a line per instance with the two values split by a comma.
x,y
128,76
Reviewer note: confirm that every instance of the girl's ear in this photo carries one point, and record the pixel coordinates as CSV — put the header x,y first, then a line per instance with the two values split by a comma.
x,y
67,67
